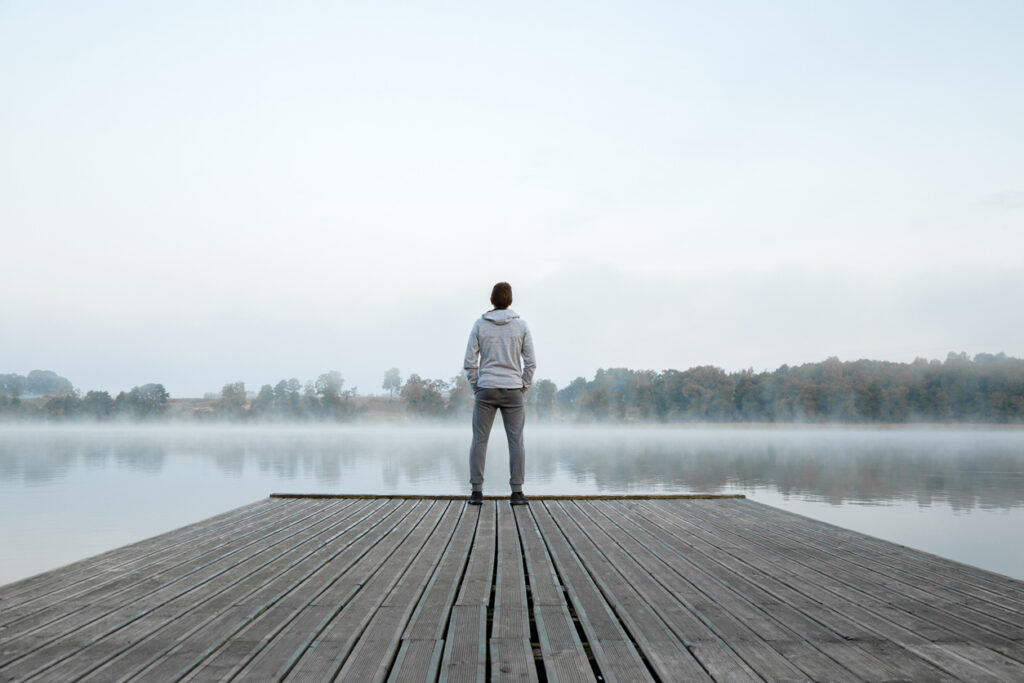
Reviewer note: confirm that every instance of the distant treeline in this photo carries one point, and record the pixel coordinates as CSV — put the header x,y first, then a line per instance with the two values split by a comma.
x,y
37,383
986,389
148,401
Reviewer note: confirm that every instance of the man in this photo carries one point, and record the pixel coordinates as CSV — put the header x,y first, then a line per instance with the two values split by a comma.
x,y
499,365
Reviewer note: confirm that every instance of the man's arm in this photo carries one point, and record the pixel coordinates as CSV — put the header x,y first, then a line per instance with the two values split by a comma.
x,y
529,359
471,362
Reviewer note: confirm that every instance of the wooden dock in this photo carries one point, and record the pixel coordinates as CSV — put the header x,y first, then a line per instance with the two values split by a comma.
x,y
428,589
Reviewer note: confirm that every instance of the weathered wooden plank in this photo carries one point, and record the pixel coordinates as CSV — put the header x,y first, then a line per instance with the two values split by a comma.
x,y
512,660
683,572
430,618
545,587
560,590
51,581
511,618
871,613
599,623
114,588
104,579
377,630
296,623
858,649
251,599
49,644
747,627
561,649
562,653
901,567
371,658
667,621
479,576
417,662
511,652
332,646
412,586
427,496
465,651
465,648
904,603
192,608
984,584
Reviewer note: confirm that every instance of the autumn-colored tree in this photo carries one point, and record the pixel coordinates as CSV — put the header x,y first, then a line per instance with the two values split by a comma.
x,y
232,402
422,397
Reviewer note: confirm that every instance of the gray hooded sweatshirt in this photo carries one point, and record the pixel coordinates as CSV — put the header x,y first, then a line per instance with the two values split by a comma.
x,y
503,343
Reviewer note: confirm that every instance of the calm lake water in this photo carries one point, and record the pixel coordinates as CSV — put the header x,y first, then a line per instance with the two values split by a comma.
x,y
70,492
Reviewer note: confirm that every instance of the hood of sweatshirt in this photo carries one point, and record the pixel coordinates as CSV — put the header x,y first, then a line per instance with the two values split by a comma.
x,y
503,317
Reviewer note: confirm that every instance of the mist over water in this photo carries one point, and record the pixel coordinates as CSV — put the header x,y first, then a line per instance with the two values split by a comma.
x,y
72,491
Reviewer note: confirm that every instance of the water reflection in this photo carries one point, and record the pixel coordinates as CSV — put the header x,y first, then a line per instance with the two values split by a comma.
x,y
964,468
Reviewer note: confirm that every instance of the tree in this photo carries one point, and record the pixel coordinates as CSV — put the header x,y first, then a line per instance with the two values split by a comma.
x,y
46,383
392,381
149,400
333,401
422,396
287,397
63,406
460,397
232,400
98,405
11,406
569,396
641,391
545,390
263,404
328,386
153,399
749,400
595,402
12,385
619,405
310,404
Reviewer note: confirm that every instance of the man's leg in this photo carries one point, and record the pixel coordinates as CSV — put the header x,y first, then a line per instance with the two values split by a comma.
x,y
483,417
513,414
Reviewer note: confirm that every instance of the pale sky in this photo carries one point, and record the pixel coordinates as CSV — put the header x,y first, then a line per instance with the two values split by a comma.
x,y
196,193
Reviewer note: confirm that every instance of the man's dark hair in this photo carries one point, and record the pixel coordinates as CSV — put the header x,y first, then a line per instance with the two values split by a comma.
x,y
501,295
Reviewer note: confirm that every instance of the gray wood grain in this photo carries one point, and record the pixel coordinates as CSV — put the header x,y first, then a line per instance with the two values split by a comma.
x,y
421,589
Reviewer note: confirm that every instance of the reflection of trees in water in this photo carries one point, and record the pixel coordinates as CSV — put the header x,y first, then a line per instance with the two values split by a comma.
x,y
329,458
965,472
40,457
965,469
300,457
34,464
229,458
140,455
95,456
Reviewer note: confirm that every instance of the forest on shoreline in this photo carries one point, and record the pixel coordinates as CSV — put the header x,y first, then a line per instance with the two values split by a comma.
x,y
986,389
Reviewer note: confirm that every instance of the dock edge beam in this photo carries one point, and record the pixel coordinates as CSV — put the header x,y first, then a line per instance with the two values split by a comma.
x,y
614,496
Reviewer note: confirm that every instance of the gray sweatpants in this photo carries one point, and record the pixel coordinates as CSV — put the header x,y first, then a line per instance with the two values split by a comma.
x,y
510,403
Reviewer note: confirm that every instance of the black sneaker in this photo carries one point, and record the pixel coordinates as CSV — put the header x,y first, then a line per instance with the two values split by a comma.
x,y
517,498
476,498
